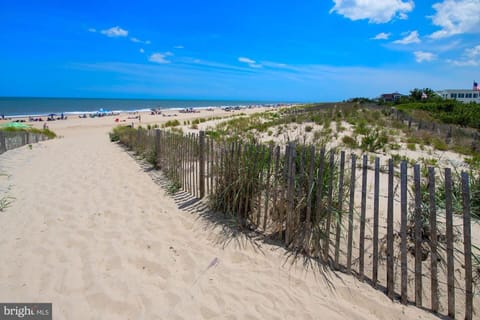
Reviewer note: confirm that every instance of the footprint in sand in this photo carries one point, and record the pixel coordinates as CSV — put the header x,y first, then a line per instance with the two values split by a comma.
x,y
151,268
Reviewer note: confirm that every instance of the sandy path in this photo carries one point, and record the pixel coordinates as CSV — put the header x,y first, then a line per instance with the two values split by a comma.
x,y
92,233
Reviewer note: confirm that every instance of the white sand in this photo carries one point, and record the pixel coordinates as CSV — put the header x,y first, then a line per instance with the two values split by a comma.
x,y
91,232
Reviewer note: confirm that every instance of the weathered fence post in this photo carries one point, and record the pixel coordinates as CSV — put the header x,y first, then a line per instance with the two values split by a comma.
x,y
329,205
157,147
376,196
319,202
350,214
450,248
448,138
433,239
390,274
3,142
403,231
339,208
201,159
267,187
418,236
290,194
467,245
277,177
308,214
363,206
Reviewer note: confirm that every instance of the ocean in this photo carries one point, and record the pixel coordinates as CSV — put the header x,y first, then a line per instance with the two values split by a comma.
x,y
20,106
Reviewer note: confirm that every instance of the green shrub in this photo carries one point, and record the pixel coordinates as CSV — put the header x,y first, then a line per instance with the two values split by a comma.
x,y
373,140
413,139
213,134
308,128
361,127
411,146
118,131
439,144
172,123
395,146
349,142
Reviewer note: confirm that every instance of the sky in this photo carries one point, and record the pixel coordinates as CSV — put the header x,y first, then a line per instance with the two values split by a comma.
x,y
307,50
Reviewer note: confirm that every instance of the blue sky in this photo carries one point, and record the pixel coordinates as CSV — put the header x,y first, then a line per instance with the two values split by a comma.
x,y
311,50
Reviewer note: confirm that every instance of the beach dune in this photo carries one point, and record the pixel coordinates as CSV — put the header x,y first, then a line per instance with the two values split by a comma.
x,y
89,230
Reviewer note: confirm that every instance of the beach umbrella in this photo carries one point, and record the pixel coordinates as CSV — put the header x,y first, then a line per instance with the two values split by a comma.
x,y
16,125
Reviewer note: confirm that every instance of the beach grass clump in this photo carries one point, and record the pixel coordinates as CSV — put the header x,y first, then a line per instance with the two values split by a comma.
x,y
476,264
349,142
439,144
361,127
457,205
373,140
46,132
440,204
173,186
248,170
120,132
394,146
5,202
239,180
171,123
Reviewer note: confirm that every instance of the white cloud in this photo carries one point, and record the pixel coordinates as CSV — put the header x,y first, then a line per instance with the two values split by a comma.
x,y
456,17
115,32
464,63
275,65
160,57
412,37
421,56
246,60
374,10
92,30
307,83
142,50
178,47
470,57
251,63
473,52
382,36
136,40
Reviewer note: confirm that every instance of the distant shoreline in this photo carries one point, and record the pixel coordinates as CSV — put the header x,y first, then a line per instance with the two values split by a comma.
x,y
21,107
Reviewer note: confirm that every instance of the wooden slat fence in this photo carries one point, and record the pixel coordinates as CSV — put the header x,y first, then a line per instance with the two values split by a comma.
x,y
381,222
14,139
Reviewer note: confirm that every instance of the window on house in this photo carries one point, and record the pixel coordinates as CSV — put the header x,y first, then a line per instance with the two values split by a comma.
x,y
453,95
475,95
461,95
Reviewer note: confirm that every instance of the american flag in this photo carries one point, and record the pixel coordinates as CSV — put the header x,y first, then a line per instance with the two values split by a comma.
x,y
475,86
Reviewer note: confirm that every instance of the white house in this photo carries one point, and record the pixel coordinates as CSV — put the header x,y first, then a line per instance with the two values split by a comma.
x,y
464,95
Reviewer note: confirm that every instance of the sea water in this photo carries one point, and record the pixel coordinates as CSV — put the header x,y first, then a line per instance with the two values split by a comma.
x,y
21,106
